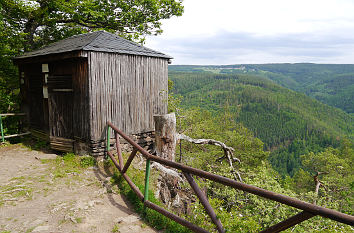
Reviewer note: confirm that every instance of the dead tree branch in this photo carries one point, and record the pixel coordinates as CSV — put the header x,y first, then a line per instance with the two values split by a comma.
x,y
228,151
318,183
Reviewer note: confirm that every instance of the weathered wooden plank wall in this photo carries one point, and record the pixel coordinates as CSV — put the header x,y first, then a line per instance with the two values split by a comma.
x,y
81,126
126,90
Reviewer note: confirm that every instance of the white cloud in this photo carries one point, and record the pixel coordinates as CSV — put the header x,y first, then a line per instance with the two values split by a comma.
x,y
208,24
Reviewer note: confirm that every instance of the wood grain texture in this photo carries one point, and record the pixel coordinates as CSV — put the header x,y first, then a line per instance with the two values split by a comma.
x,y
126,90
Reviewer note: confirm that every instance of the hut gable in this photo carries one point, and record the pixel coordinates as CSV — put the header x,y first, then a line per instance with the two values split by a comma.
x,y
99,41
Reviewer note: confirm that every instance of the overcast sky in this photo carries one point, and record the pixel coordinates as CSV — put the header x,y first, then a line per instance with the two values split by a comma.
x,y
259,31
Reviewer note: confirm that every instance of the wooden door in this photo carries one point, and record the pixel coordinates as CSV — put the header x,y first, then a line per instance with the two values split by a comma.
x,y
60,101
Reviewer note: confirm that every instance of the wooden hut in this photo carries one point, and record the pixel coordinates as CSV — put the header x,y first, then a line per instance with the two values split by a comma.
x,y
71,88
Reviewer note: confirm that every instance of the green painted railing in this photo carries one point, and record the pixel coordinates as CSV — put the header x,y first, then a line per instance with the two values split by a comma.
x,y
3,137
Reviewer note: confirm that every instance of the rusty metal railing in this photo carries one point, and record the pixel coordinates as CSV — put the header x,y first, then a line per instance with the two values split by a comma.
x,y
308,210
3,137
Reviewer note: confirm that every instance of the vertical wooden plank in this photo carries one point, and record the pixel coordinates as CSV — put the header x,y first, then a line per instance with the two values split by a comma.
x,y
125,89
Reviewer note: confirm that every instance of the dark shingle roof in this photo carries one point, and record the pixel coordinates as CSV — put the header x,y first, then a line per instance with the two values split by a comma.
x,y
99,41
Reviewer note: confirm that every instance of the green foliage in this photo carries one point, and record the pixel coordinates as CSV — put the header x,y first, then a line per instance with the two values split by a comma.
x,y
87,161
289,123
331,84
334,163
10,45
42,22
40,144
174,100
115,229
241,212
198,123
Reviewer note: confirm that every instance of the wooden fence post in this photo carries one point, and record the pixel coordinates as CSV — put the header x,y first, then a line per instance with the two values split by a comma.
x,y
165,135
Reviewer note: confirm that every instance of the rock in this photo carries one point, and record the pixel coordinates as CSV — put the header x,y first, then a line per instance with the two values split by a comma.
x,y
95,202
129,219
130,228
108,179
68,217
37,222
177,202
41,229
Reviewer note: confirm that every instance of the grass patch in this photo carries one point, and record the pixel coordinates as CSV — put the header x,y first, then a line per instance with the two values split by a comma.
x,y
14,192
115,228
79,220
30,230
69,164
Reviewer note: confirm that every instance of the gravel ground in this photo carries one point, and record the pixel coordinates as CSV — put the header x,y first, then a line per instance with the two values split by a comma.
x,y
37,197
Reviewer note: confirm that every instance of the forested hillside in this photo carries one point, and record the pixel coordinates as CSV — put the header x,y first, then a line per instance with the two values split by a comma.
x,y
289,123
332,84
241,212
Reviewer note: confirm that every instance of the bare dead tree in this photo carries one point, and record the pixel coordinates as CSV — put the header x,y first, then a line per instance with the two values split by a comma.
x,y
318,183
228,151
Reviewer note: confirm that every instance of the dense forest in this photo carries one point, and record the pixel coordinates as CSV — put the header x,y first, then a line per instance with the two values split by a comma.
x,y
289,123
241,212
285,140
332,84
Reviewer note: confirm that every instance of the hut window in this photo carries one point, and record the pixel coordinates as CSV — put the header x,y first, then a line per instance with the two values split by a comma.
x,y
45,68
58,83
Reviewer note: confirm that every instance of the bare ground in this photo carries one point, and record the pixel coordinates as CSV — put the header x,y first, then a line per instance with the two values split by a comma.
x,y
35,197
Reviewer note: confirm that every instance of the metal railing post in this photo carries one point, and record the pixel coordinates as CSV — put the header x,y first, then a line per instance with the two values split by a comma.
x,y
2,131
147,176
108,141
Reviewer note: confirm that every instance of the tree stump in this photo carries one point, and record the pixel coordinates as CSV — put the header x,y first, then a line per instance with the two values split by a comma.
x,y
165,135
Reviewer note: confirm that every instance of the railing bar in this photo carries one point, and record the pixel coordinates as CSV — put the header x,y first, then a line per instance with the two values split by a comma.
x,y
204,200
133,187
13,114
119,150
114,161
131,184
175,218
129,161
314,209
17,135
292,221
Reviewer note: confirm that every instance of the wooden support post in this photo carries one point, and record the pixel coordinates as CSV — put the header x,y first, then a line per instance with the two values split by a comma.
x,y
165,136
119,149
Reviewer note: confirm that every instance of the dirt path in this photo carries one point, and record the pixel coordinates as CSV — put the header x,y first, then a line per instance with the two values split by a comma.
x,y
36,196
